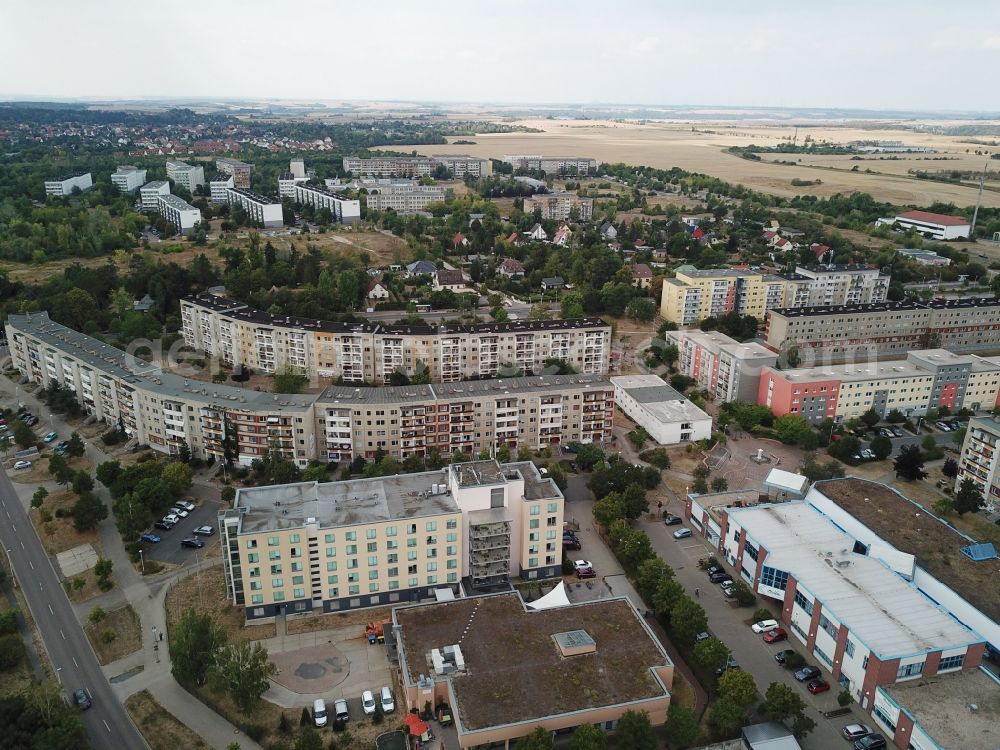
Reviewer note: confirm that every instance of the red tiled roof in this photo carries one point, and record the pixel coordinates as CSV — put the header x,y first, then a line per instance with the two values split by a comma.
x,y
943,219
512,265
641,271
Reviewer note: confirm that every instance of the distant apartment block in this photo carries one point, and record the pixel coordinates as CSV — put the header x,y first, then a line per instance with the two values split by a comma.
x,y
552,164
241,171
343,210
663,412
297,168
63,186
286,184
844,285
149,194
128,179
242,335
186,175
178,212
727,369
560,206
218,187
406,198
417,166
979,458
931,225
263,211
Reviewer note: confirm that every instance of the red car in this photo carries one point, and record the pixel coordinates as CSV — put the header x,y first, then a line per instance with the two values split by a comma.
x,y
585,573
773,636
817,686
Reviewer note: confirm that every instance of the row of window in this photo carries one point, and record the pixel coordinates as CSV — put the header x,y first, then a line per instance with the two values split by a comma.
x,y
353,590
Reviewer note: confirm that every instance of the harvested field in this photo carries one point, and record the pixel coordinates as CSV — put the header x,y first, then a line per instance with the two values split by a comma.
x,y
116,636
161,729
205,592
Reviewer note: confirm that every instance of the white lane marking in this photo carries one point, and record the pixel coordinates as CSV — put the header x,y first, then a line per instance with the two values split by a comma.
x,y
62,634
50,610
14,528
22,545
31,564
106,725
74,662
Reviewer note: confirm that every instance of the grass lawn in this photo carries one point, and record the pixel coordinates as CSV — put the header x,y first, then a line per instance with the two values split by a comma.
x,y
162,730
123,624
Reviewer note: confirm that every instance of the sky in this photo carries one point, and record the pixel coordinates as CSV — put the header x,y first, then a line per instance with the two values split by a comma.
x,y
869,54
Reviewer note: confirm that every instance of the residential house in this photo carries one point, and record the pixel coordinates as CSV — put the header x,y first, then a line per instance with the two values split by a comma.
x,y
143,305
447,278
562,236
608,231
420,267
511,268
459,240
538,233
554,282
514,239
821,251
378,290
642,276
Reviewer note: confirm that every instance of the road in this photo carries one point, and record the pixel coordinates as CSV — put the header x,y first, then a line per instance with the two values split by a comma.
x,y
107,723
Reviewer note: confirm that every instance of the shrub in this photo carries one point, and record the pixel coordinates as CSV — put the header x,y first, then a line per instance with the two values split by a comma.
x,y
743,594
284,725
108,636
795,661
11,651
97,614
306,718
844,698
255,732
762,613
8,622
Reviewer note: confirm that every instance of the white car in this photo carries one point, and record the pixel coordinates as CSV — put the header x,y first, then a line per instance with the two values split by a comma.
x,y
388,704
582,564
22,465
368,702
172,518
178,511
764,626
185,505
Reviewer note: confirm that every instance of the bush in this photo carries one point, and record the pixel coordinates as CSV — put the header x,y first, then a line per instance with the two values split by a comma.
x,y
8,622
743,594
108,636
306,718
255,732
284,725
762,613
795,661
657,457
844,698
11,651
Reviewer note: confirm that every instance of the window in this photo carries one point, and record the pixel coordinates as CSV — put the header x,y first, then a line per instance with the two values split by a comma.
x,y
910,670
257,599
951,662
275,570
777,579
452,577
884,719
553,507
277,583
373,546
393,572
329,538
452,551
411,555
331,551
803,602
372,587
332,579
821,655
452,564
296,567
535,510
353,578
373,561
273,555
278,596
333,593
849,647
431,567
353,590
750,551
299,593
253,557
532,562
351,536
432,526
273,541
295,538
393,584
372,575
431,580
411,582
298,580
411,542
251,544
352,563
452,523
352,549
390,531
331,566
452,537
533,523
829,627
371,533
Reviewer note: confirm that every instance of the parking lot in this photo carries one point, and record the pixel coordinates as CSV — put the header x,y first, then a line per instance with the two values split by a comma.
x,y
169,549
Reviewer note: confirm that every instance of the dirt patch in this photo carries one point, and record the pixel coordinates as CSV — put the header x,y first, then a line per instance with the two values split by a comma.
x,y
57,533
88,591
116,636
205,592
310,623
161,729
39,471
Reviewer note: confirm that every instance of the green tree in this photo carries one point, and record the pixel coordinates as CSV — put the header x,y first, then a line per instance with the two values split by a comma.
x,y
719,484
641,309
871,417
670,354
791,429
11,651
75,446
571,306
103,568
178,477
539,738
289,380
23,435
738,685
193,644
82,482
308,739
588,737
668,593
802,726
711,653
588,455
38,499
909,464
781,702
635,731
228,495
650,574
882,447
968,499
243,671
682,727
121,301
726,716
88,511
687,619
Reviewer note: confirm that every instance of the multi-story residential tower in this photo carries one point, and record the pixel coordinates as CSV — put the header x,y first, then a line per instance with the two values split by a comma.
x,y
218,186
149,194
186,175
178,212
63,186
241,171
560,206
553,164
262,210
342,209
417,166
128,179
727,369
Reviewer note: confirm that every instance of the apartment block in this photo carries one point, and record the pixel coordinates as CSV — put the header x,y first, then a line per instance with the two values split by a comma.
x,y
886,329
62,187
844,285
149,194
262,210
287,182
727,369
552,164
128,179
238,334
217,187
297,168
406,198
343,210
927,379
337,546
186,175
978,460
560,206
178,212
241,171
417,166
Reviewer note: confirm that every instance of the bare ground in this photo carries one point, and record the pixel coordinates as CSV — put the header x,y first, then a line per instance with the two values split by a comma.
x,y
58,535
312,623
121,623
205,592
161,729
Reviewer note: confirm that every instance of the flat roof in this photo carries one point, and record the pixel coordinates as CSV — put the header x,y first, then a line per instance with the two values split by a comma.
x,y
154,185
68,176
721,342
942,704
911,528
659,399
254,196
514,670
890,615
880,307
177,202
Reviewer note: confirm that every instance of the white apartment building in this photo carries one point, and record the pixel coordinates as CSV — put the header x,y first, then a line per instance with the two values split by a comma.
x,y
337,546
63,186
242,335
241,171
178,212
218,187
552,164
128,179
262,210
979,459
343,210
560,206
149,194
664,413
406,198
417,166
727,369
297,168
186,175
844,285
286,184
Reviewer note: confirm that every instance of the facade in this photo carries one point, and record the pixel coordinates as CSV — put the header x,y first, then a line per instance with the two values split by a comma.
x,y
404,199
927,379
978,460
844,285
417,166
665,414
343,210
178,212
186,175
888,329
62,187
560,206
475,524
454,652
297,168
286,184
238,334
552,164
241,171
931,225
128,179
854,606
218,187
262,210
727,369
149,194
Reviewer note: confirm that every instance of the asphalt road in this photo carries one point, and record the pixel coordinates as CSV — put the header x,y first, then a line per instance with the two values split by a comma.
x,y
107,723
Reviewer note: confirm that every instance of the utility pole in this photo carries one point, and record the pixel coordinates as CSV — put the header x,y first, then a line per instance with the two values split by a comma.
x,y
979,198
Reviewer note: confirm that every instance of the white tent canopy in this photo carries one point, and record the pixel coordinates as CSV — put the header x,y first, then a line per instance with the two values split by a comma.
x,y
555,598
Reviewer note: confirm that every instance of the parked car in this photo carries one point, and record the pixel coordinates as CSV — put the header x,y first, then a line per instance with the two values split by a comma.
x,y
855,731
385,697
49,437
704,635
817,686
319,712
149,536
870,742
682,533
762,626
671,520
185,505
340,711
943,426
897,431
204,531
82,699
886,432
192,541
585,573
31,421
712,569
164,524
720,577
773,636
582,564
178,511
172,518
728,589
368,702
807,673
730,664
782,655
571,543
19,465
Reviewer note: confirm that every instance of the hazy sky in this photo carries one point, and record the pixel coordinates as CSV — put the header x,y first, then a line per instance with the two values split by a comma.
x,y
798,53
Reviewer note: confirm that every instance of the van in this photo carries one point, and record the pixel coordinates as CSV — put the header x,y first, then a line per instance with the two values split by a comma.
x,y
319,712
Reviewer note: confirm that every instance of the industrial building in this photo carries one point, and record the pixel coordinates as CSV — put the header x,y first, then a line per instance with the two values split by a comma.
x,y
931,225
664,413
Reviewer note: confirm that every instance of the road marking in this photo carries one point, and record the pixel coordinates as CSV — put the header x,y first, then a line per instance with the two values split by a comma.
x,y
50,610
74,662
62,634
22,545
105,723
31,564
13,527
